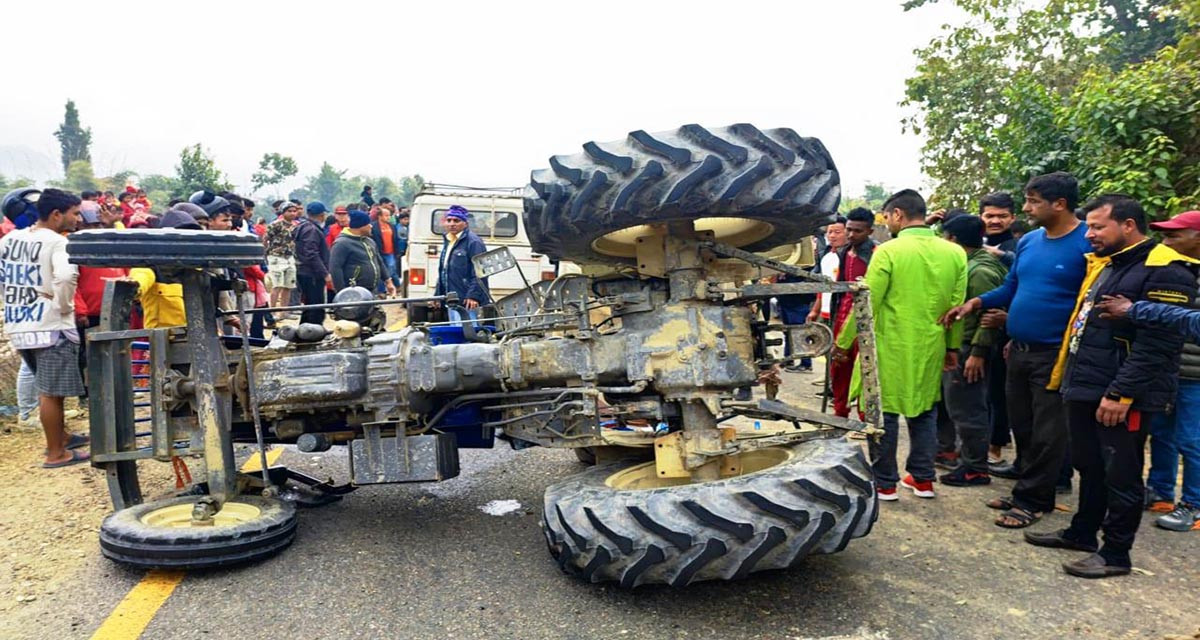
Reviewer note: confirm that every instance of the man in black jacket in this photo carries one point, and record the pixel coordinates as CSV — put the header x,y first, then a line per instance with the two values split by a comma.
x,y
1115,375
354,260
312,261
997,212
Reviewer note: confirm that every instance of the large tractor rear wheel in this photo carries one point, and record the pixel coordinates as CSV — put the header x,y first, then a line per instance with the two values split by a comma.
x,y
622,523
752,189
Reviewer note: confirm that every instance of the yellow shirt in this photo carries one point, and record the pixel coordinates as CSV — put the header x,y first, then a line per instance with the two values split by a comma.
x,y
162,303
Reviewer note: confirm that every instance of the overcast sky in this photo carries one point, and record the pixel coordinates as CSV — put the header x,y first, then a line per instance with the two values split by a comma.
x,y
460,92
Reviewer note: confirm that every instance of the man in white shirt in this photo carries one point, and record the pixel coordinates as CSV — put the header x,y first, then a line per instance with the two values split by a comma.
x,y
39,316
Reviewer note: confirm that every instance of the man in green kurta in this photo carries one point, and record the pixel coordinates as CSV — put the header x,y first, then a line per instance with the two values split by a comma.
x,y
914,279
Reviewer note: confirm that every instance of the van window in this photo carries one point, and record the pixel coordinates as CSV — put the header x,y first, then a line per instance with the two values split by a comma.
x,y
485,224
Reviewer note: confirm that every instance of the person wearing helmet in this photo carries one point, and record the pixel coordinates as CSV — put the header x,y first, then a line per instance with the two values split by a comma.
x,y
20,207
210,202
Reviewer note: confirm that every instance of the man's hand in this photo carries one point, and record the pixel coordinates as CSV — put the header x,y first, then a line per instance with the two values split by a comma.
x,y
950,363
839,354
1114,306
470,304
1111,412
814,315
1007,348
935,217
995,251
329,279
973,369
994,319
960,312
391,288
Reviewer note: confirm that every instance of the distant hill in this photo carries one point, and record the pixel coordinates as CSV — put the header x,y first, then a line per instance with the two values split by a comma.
x,y
25,162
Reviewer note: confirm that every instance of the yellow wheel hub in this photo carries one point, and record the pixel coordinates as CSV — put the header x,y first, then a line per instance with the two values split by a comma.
x,y
645,476
733,231
179,516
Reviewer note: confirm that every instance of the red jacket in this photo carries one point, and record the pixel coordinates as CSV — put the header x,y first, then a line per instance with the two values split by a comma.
x,y
89,294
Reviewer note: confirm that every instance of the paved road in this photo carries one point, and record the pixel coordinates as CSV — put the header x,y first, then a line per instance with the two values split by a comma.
x,y
423,561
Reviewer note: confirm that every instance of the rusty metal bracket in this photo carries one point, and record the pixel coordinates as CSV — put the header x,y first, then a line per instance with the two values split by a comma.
x,y
728,251
676,454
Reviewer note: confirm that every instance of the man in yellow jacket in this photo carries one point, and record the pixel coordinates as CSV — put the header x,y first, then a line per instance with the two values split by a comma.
x,y
914,279
162,302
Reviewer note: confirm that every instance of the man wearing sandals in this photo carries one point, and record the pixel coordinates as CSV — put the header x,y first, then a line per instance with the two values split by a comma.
x,y
39,316
1114,376
1039,292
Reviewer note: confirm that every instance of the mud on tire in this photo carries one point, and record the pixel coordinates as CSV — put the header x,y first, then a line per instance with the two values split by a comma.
x,y
125,538
786,182
164,248
815,502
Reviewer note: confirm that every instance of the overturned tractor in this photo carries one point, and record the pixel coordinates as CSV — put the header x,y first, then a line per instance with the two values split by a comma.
x,y
663,333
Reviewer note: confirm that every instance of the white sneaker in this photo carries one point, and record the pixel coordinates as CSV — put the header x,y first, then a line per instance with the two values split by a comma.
x,y
32,423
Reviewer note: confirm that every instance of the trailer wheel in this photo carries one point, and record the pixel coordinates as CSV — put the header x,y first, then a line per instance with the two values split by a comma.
x,y
164,248
159,534
753,189
621,523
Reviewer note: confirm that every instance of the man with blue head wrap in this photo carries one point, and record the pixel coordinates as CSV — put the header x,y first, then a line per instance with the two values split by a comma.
x,y
456,273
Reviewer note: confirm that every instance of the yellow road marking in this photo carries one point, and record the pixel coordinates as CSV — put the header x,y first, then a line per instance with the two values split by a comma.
x,y
255,462
137,609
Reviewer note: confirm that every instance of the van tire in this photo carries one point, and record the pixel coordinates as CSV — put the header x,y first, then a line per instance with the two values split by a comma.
x,y
786,182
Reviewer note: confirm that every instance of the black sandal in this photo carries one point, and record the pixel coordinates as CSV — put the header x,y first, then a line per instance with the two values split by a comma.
x,y
1000,504
1022,517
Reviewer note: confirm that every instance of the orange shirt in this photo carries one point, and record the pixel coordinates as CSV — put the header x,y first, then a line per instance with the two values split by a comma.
x,y
385,230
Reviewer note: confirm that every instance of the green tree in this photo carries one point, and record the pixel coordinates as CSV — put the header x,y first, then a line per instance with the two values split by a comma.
x,y
272,169
1093,87
8,184
325,186
197,171
79,177
410,186
116,181
161,189
74,140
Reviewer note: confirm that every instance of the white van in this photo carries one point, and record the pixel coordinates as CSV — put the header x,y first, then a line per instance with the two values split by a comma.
x,y
496,217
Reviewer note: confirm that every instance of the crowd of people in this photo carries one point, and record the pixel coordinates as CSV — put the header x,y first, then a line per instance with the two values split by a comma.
x,y
1076,340
50,304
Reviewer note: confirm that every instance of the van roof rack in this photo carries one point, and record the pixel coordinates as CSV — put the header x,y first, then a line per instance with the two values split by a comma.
x,y
458,189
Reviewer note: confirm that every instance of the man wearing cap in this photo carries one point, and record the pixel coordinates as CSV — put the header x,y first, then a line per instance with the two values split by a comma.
x,y
1176,433
341,218
281,251
456,273
354,260
312,261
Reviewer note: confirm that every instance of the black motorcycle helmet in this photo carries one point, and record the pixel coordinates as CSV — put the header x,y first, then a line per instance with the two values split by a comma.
x,y
20,206
209,201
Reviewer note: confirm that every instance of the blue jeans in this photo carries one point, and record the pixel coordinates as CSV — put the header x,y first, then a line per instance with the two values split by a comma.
x,y
27,395
922,435
1173,435
389,259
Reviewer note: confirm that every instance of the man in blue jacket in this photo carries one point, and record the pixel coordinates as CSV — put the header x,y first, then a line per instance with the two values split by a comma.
x,y
456,273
